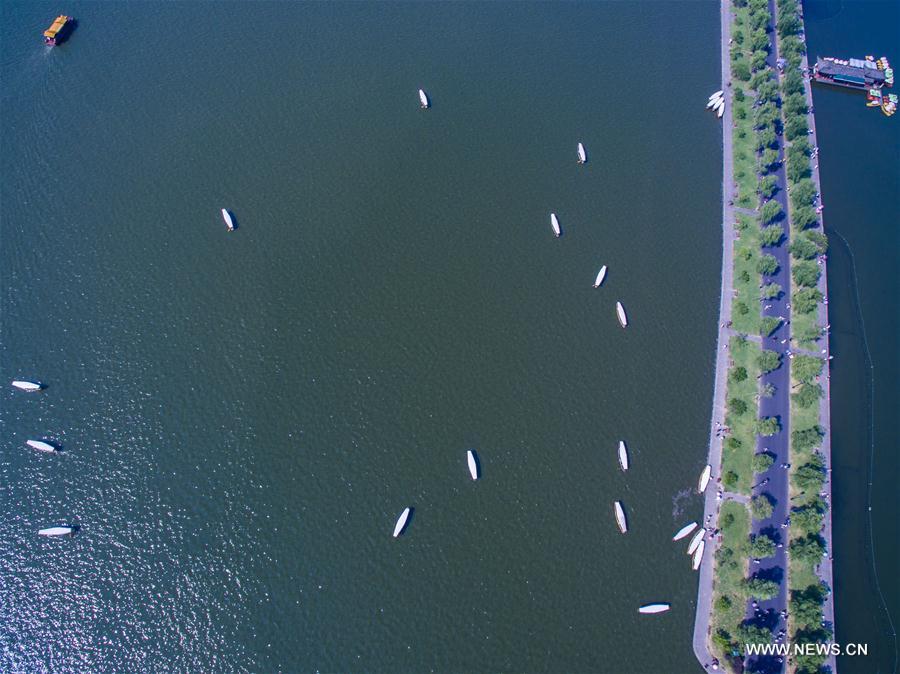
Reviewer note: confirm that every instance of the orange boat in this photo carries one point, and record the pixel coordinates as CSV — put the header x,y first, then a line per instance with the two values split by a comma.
x,y
56,33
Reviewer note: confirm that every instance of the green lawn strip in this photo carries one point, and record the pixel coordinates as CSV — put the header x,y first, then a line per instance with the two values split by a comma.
x,y
730,571
738,449
745,300
744,154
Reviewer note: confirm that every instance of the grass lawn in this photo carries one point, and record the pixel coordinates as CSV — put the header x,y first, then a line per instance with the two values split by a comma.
x,y
731,569
743,354
746,278
744,154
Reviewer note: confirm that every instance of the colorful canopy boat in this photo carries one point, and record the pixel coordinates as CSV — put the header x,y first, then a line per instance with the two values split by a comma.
x,y
58,30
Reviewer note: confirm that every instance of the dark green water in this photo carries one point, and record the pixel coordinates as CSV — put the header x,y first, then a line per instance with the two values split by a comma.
x,y
860,172
245,415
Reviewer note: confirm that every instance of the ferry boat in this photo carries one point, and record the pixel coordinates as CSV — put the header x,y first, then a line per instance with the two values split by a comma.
x,y
684,531
600,276
623,455
582,155
620,517
853,73
554,223
58,30
473,464
27,385
41,446
423,99
620,312
653,608
229,222
401,522
56,531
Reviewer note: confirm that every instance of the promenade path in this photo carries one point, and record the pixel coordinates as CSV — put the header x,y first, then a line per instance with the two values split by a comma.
x,y
711,503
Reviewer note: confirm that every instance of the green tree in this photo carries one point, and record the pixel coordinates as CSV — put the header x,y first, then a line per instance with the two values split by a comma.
x,y
806,300
759,78
809,518
808,395
768,390
766,138
803,217
791,47
767,186
727,520
737,374
737,406
767,265
788,24
803,193
762,462
722,640
798,170
806,605
770,211
792,83
759,40
762,546
773,235
795,128
741,71
749,633
767,91
739,95
765,115
807,438
806,274
770,291
807,368
730,479
767,426
808,549
794,104
768,360
808,333
761,507
760,588
819,239
767,325
800,148
768,160
803,249
722,603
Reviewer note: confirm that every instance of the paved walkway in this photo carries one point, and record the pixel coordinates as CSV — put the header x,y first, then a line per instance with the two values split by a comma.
x,y
711,504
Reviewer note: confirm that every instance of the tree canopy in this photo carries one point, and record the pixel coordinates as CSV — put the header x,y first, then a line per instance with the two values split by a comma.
x,y
770,291
767,325
770,211
806,300
767,426
762,546
760,588
808,395
772,235
807,368
768,360
737,374
806,274
767,265
762,462
809,549
761,507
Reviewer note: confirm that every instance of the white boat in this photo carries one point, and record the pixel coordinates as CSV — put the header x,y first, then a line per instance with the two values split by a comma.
x,y
653,608
554,223
423,99
718,94
623,455
698,556
620,312
620,517
600,276
720,105
684,531
40,445
712,102
704,479
27,385
695,541
473,464
229,223
401,522
582,155
721,112
56,531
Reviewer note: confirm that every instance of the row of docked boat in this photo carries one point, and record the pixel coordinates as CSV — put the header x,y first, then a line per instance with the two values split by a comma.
x,y
42,446
474,473
716,103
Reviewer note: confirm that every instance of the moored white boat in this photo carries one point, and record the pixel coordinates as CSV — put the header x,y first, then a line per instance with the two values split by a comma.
x,y
719,105
684,531
720,112
601,275
56,531
40,445
698,556
582,155
704,479
620,312
695,541
620,517
718,94
554,223
623,455
401,522
229,222
473,464
423,99
27,385
653,608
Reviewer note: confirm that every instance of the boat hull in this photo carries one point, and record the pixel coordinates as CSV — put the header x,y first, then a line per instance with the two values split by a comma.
x,y
40,445
554,224
229,222
684,531
620,313
698,556
704,479
401,522
621,522
582,154
473,464
623,455
27,385
601,276
56,531
423,100
695,541
649,609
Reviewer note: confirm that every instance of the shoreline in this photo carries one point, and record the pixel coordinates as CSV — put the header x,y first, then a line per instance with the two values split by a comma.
x,y
714,453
